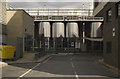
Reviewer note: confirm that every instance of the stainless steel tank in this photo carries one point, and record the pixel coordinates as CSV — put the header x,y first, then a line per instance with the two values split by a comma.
x,y
58,29
41,29
72,29
45,29
96,29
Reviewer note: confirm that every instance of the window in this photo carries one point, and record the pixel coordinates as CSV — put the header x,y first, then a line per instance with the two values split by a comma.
x,y
109,47
109,15
118,9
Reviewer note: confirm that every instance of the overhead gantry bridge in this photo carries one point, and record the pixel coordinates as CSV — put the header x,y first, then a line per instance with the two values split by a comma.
x,y
68,18
63,14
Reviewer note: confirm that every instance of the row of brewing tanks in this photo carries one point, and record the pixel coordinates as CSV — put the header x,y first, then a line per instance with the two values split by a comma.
x,y
72,29
72,34
65,37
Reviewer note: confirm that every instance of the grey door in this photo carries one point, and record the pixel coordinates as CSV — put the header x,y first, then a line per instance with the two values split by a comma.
x,y
19,47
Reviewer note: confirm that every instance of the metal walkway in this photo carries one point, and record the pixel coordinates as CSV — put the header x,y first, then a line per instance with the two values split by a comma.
x,y
62,14
68,18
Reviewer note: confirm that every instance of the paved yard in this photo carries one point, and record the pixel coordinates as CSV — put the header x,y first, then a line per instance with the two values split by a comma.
x,y
61,67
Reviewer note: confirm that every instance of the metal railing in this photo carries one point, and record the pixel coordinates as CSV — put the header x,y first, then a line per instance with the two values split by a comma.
x,y
62,14
68,18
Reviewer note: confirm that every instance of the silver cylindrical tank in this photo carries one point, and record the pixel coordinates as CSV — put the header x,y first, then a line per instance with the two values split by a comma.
x,y
45,29
96,29
58,29
46,26
72,29
41,29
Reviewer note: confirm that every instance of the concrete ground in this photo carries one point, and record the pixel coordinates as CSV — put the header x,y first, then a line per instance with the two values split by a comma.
x,y
27,58
60,67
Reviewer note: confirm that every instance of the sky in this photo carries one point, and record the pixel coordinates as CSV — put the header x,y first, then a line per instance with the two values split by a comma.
x,y
61,0
49,0
50,4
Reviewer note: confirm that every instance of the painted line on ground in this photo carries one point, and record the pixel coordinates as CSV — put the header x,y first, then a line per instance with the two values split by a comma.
x,y
72,65
47,59
92,76
28,71
32,69
77,77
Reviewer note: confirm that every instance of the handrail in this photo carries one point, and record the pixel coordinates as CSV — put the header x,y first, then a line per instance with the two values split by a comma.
x,y
67,18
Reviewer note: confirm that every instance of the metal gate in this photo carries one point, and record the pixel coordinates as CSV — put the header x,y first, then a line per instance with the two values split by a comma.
x,y
62,45
28,43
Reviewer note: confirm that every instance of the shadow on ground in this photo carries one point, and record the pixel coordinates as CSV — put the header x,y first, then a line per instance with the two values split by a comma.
x,y
68,66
